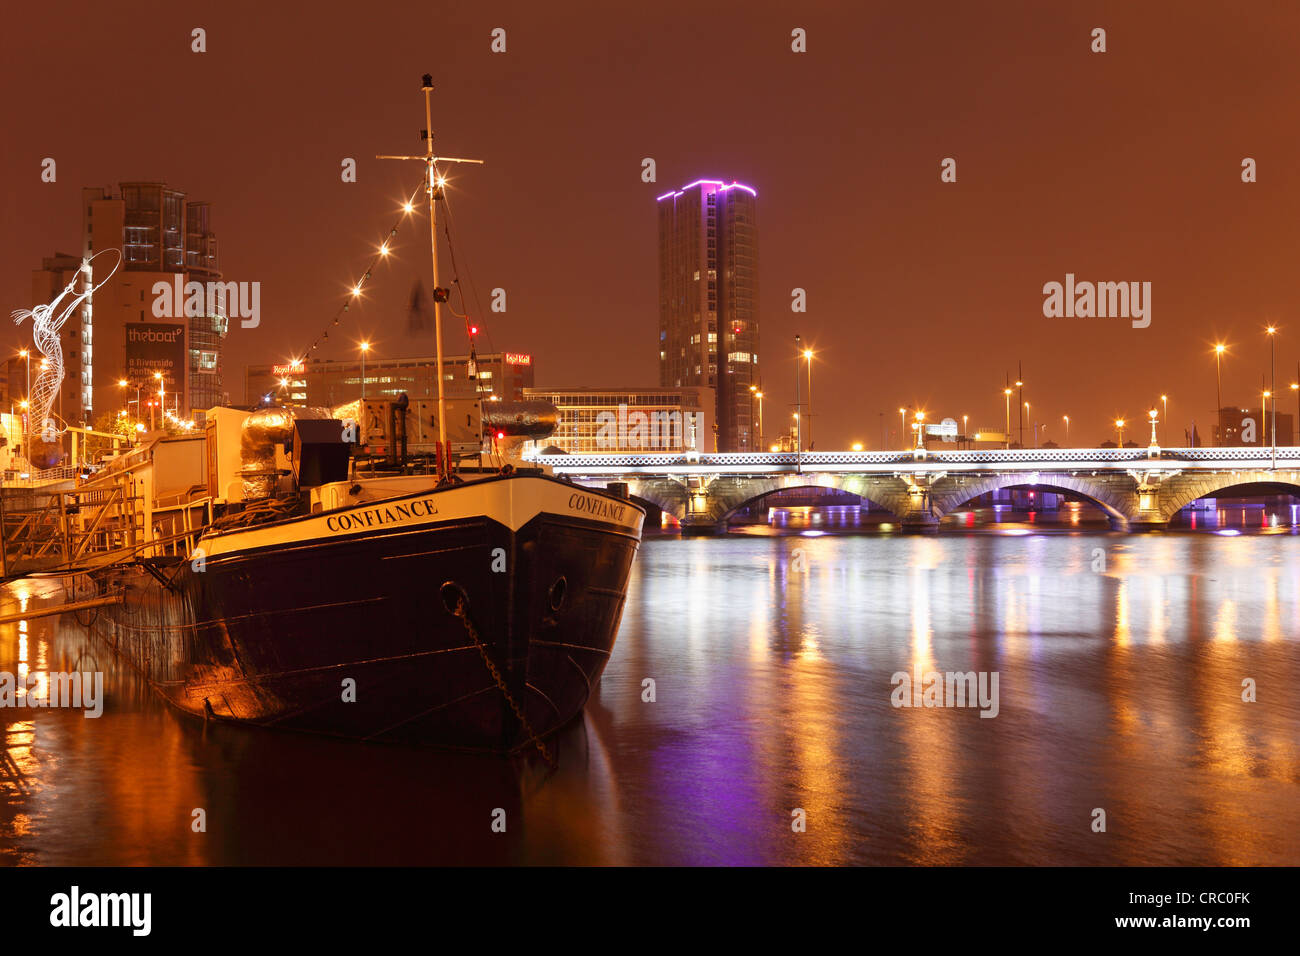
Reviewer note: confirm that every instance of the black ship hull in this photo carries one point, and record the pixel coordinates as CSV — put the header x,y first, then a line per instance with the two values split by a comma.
x,y
346,622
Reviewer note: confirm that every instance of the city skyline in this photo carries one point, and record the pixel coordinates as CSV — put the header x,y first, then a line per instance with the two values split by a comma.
x,y
675,436
1081,170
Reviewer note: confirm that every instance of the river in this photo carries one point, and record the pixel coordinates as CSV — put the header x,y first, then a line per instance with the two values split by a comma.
x,y
773,736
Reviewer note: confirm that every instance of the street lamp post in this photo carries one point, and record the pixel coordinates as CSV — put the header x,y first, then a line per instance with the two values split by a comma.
x,y
798,407
808,354
920,429
1022,425
158,376
1295,387
1155,442
1021,385
365,347
1272,386
752,390
965,432
1007,393
1067,430
1267,393
1219,349
1119,425
759,395
902,427
27,399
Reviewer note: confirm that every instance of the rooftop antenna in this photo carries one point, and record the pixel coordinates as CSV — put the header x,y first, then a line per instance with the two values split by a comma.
x,y
433,186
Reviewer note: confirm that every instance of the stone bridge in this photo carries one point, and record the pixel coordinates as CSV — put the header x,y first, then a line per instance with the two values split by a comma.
x,y
1137,488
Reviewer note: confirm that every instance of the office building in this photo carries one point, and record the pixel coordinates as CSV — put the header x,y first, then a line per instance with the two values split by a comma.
x,y
167,242
595,421
327,383
1253,427
708,300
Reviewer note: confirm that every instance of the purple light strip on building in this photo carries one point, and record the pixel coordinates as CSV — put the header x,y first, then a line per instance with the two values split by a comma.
x,y
708,182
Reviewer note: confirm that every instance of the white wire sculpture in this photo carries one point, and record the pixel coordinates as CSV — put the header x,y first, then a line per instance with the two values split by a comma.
x,y
47,320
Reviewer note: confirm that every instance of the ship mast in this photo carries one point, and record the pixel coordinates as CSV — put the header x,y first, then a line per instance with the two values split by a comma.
x,y
434,183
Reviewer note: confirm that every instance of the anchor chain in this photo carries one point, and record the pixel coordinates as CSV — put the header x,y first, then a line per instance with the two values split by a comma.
x,y
463,613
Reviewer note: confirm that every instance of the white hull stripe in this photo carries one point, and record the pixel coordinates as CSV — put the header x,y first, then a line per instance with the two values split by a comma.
x,y
512,503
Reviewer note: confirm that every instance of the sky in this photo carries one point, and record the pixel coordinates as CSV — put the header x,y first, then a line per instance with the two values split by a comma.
x,y
1122,166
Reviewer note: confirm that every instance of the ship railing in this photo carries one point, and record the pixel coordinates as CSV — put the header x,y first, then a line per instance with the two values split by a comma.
x,y
23,478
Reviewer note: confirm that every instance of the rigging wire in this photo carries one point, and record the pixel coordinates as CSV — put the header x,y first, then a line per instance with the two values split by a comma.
x,y
408,209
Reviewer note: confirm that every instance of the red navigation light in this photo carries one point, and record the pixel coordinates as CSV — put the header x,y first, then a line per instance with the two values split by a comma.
x,y
500,435
473,330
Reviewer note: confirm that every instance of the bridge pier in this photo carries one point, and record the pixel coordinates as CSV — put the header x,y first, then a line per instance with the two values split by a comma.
x,y
919,522
918,516
701,525
1146,522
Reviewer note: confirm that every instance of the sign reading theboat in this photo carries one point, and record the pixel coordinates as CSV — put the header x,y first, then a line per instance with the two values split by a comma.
x,y
385,514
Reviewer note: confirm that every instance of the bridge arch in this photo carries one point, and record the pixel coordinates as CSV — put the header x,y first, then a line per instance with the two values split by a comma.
x,y
1106,493
727,495
1180,491
666,494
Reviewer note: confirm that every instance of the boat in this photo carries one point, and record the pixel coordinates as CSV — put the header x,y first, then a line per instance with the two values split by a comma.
x,y
379,571
476,614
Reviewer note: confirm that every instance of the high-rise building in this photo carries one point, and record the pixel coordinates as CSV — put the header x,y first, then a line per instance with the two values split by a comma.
x,y
708,300
164,238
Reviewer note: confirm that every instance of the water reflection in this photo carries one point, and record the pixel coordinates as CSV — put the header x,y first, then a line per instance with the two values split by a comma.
x,y
1121,662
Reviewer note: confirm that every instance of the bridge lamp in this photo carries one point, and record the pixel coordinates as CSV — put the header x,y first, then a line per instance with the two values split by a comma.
x,y
808,356
1067,430
1219,349
1295,387
1008,394
857,446
1119,425
1272,365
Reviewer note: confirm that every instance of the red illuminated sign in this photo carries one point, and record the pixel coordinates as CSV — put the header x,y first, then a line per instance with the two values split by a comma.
x,y
295,368
518,358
